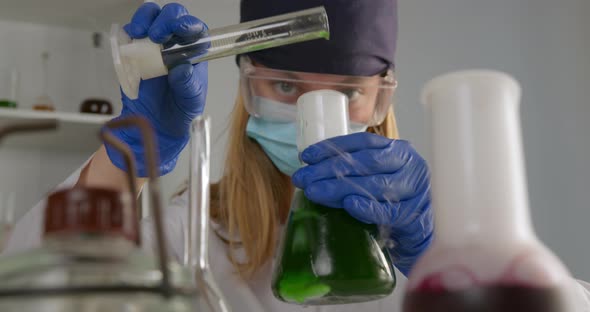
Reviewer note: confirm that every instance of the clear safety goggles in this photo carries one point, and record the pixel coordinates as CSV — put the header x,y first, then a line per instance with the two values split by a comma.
x,y
272,94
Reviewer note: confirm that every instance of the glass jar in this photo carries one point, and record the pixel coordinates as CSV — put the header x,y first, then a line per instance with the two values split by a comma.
x,y
90,261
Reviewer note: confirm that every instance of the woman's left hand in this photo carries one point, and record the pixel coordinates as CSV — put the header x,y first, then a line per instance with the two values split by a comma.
x,y
376,180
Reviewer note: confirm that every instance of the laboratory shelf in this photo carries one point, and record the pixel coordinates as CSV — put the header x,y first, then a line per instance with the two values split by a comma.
x,y
76,132
85,14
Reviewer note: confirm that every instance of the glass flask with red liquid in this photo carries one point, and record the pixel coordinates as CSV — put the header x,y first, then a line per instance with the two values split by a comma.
x,y
485,256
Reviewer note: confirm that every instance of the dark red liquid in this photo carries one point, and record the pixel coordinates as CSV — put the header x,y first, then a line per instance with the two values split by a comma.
x,y
486,299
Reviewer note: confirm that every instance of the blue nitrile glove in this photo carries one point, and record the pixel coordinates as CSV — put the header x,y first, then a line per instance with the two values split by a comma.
x,y
170,103
378,181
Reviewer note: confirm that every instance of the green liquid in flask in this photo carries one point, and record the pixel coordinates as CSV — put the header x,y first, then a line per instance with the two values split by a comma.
x,y
7,103
328,257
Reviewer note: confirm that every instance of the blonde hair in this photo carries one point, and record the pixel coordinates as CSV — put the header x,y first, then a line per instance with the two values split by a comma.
x,y
252,199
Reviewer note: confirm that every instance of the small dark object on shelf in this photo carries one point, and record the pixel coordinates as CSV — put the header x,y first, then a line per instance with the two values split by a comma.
x,y
96,106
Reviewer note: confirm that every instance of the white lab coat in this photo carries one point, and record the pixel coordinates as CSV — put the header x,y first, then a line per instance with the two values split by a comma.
x,y
243,296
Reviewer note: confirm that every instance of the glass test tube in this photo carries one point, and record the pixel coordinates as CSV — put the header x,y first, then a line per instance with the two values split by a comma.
x,y
142,59
252,36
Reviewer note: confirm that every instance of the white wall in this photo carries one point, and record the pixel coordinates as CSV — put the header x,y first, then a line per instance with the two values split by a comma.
x,y
76,69
544,44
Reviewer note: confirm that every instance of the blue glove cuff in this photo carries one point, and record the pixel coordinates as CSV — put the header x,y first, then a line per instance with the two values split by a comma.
x,y
169,149
404,256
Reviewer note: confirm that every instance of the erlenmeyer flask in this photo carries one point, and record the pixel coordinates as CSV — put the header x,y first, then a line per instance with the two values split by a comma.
x,y
485,255
96,103
9,81
43,102
325,255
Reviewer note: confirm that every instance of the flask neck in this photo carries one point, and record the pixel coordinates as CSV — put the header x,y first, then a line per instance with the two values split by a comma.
x,y
473,222
321,114
478,177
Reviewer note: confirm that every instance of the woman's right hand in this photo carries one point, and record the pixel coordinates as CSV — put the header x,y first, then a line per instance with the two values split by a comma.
x,y
170,102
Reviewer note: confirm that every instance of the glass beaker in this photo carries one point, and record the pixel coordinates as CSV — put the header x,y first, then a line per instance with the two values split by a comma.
x,y
325,255
9,81
485,255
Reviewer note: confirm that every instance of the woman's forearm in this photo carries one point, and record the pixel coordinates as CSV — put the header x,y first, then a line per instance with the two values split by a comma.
x,y
100,172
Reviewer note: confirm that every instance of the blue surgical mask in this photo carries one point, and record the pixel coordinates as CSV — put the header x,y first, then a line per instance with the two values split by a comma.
x,y
279,142
278,139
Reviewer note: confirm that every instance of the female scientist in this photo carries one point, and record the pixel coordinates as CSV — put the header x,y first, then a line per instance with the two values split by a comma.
x,y
262,167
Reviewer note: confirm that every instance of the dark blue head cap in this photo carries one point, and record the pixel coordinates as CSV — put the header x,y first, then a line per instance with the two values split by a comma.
x,y
363,35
